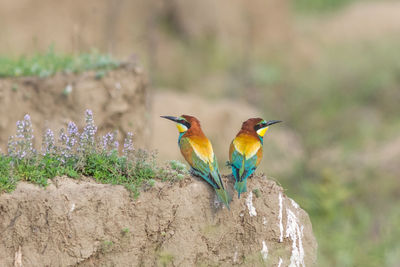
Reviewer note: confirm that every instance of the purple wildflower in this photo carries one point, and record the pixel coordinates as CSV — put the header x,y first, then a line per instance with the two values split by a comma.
x,y
64,151
116,145
87,138
110,144
73,135
128,145
48,144
90,129
106,141
20,146
12,146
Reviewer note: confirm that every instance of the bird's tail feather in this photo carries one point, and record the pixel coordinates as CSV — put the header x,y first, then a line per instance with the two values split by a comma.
x,y
219,189
224,196
242,168
241,186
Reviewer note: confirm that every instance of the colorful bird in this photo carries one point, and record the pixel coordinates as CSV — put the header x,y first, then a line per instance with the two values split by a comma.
x,y
198,152
246,150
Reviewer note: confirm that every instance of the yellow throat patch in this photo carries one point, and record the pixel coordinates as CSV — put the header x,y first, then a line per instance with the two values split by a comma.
x,y
261,132
181,128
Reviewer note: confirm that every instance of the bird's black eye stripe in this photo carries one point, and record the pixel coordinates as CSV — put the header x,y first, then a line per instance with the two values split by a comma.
x,y
259,126
187,124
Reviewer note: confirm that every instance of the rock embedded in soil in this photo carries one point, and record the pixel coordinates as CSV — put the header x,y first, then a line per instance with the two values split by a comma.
x,y
82,223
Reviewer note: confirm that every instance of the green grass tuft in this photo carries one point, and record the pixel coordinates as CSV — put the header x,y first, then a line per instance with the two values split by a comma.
x,y
104,168
174,171
50,62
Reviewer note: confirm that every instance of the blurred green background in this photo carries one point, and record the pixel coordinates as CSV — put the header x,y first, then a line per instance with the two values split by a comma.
x,y
330,69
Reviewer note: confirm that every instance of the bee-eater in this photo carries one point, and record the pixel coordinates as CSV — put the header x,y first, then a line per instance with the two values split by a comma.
x,y
246,150
198,152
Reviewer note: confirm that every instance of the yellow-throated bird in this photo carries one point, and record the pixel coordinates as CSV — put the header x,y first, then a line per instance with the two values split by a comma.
x,y
198,152
246,150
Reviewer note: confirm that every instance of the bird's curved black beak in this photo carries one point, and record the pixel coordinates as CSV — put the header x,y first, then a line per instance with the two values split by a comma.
x,y
172,118
272,122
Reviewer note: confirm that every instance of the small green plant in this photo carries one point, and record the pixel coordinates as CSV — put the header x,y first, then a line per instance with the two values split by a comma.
x,y
151,182
174,171
100,74
257,192
178,166
7,180
106,246
125,231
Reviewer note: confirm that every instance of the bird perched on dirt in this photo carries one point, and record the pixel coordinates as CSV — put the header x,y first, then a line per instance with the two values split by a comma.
x,y
246,151
198,152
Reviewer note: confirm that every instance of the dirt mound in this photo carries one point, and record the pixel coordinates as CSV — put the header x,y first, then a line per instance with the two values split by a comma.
x,y
118,100
87,224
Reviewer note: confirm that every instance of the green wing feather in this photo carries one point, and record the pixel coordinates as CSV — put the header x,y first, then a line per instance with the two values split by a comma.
x,y
242,169
207,170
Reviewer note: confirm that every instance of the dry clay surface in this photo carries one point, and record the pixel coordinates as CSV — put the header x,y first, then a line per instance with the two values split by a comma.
x,y
82,223
118,100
